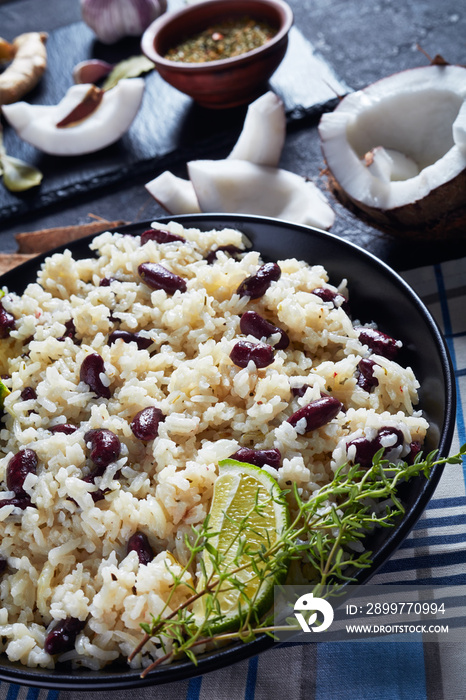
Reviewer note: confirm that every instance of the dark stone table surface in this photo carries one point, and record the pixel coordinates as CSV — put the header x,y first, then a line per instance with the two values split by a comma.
x,y
361,40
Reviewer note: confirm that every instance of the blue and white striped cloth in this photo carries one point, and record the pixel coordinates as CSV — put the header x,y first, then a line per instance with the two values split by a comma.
x,y
435,552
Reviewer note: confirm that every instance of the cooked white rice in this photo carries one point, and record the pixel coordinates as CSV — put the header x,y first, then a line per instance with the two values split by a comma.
x,y
67,556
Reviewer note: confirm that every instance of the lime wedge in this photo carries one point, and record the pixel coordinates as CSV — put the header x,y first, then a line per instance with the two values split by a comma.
x,y
247,494
4,391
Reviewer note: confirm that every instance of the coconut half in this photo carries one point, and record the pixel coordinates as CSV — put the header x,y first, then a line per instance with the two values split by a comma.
x,y
397,151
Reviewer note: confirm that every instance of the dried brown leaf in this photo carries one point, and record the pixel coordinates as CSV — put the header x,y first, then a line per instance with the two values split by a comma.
x,y
46,239
10,260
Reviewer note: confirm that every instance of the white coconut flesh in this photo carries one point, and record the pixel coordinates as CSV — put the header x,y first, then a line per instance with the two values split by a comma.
x,y
399,140
263,136
173,193
37,124
242,187
248,181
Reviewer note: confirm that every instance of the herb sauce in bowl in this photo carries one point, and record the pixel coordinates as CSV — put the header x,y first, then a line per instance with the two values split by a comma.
x,y
224,39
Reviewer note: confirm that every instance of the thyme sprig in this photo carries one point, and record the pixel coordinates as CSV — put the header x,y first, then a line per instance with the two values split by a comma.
x,y
319,534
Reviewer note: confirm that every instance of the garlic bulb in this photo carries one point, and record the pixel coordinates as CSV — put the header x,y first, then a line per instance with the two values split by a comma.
x,y
113,19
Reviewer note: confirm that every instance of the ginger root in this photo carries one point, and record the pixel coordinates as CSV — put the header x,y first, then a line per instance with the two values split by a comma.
x,y
27,67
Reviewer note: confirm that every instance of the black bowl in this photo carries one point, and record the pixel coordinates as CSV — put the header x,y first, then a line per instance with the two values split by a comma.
x,y
377,293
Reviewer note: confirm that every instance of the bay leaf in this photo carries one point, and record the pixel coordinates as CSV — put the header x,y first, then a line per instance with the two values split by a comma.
x,y
18,175
129,68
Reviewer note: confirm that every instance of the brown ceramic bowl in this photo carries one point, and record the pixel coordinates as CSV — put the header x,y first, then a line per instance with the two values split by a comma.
x,y
230,81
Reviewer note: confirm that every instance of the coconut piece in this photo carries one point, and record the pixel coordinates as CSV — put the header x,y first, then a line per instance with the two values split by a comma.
x,y
238,186
174,194
37,124
388,164
263,136
418,119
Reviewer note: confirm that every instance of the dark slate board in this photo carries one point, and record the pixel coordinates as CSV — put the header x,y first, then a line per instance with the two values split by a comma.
x,y
169,128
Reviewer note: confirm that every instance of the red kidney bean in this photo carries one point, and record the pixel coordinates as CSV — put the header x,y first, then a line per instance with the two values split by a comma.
x,y
378,342
7,322
251,323
317,413
260,353
366,379
70,330
336,298
91,369
271,457
158,277
388,432
257,285
414,449
105,448
366,449
28,393
127,337
21,501
65,428
98,494
140,544
145,424
107,281
160,236
231,250
3,565
20,465
299,390
62,637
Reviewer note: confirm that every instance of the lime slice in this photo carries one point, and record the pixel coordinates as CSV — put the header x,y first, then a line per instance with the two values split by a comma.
x,y
242,493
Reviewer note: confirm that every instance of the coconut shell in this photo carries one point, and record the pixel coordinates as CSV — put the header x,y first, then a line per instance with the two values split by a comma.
x,y
439,216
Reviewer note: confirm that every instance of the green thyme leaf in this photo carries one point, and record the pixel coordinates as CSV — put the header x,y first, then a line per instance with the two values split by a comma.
x,y
129,68
337,515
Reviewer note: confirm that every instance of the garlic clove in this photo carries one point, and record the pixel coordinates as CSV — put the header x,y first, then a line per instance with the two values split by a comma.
x,y
263,136
174,194
112,20
36,124
241,187
91,71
